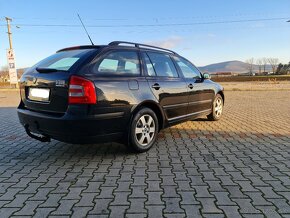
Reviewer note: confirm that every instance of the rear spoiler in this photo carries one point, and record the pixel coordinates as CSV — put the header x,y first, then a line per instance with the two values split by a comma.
x,y
80,47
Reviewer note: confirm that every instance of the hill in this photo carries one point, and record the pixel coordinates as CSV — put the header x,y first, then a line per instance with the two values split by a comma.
x,y
230,66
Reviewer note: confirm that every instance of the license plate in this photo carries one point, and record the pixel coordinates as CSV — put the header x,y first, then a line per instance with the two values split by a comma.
x,y
38,94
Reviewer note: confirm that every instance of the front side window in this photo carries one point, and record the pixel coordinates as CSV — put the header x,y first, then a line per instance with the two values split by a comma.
x,y
119,63
188,69
162,64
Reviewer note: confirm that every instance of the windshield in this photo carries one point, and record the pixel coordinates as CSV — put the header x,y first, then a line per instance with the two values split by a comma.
x,y
62,60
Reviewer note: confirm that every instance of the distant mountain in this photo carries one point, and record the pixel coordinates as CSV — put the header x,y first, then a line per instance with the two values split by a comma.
x,y
230,66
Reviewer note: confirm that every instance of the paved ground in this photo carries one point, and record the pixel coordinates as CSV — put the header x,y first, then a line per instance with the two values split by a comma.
x,y
239,166
9,97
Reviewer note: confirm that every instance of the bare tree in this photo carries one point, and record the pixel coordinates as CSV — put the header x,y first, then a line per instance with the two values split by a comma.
x,y
265,62
4,73
20,72
250,63
259,62
274,63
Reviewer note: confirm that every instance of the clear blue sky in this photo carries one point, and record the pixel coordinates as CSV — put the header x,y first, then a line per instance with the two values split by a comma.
x,y
150,21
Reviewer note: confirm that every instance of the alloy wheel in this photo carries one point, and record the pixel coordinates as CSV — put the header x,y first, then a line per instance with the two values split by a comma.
x,y
145,130
218,107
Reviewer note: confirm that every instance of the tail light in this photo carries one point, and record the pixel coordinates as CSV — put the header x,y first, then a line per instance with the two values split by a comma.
x,y
81,91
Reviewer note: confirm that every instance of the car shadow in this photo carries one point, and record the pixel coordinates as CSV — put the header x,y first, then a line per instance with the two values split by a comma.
x,y
13,136
200,119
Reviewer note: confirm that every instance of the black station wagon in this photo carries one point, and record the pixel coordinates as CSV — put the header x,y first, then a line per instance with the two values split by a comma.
x,y
122,91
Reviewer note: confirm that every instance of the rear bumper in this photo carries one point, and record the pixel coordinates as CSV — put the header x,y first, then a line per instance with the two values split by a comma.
x,y
75,129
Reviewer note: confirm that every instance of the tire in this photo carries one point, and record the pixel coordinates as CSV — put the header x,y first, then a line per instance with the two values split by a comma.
x,y
217,108
143,130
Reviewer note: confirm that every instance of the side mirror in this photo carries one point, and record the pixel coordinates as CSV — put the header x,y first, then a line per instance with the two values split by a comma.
x,y
206,76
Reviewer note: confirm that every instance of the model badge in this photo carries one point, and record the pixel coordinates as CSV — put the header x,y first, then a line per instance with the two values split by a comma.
x,y
60,83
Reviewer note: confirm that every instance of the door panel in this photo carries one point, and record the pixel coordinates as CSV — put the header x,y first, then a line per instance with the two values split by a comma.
x,y
169,89
201,93
172,95
201,96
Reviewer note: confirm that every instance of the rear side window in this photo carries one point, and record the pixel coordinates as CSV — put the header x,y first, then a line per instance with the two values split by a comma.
x,y
118,63
162,64
62,60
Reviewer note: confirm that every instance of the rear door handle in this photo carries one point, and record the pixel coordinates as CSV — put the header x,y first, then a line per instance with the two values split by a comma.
x,y
156,86
190,86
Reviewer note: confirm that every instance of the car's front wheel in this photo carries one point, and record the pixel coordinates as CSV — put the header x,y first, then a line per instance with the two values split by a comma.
x,y
143,130
217,108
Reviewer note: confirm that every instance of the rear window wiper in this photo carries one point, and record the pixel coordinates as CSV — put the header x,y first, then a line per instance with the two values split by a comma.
x,y
48,70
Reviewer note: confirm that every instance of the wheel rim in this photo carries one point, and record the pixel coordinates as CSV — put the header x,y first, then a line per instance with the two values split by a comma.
x,y
218,107
145,130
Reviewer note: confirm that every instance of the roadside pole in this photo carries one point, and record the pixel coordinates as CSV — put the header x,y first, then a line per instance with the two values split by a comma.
x,y
11,57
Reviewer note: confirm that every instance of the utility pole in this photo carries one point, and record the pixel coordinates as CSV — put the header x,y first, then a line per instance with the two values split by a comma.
x,y
10,56
9,31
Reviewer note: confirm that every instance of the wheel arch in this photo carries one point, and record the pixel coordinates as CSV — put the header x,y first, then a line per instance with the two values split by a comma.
x,y
154,107
222,94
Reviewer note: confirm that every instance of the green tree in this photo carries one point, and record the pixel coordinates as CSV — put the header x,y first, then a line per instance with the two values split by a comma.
x,y
283,69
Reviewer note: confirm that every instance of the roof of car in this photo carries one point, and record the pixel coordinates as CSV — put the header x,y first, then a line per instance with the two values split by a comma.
x,y
117,43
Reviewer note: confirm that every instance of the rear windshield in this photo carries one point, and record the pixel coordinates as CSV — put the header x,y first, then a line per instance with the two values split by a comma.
x,y
62,60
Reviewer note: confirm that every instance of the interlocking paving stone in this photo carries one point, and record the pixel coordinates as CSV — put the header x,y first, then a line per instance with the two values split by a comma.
x,y
80,211
209,205
155,210
137,206
101,206
118,211
29,208
19,200
236,167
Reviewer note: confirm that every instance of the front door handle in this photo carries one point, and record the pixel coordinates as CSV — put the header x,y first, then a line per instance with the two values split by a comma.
x,y
190,86
156,86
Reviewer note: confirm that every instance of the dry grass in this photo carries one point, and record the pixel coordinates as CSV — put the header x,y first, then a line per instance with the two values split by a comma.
x,y
272,85
251,78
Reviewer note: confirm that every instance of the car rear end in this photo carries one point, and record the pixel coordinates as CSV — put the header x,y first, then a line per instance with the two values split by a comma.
x,y
56,100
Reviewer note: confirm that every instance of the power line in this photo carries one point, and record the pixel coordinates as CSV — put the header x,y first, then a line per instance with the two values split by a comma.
x,y
259,14
150,30
155,24
128,31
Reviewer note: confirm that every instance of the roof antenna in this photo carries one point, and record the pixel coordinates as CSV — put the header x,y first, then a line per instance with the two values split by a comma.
x,y
85,29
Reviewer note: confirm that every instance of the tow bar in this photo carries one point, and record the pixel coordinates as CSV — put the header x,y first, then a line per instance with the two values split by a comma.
x,y
42,138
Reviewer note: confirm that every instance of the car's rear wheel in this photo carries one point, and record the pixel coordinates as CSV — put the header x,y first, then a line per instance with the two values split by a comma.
x,y
144,130
217,108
